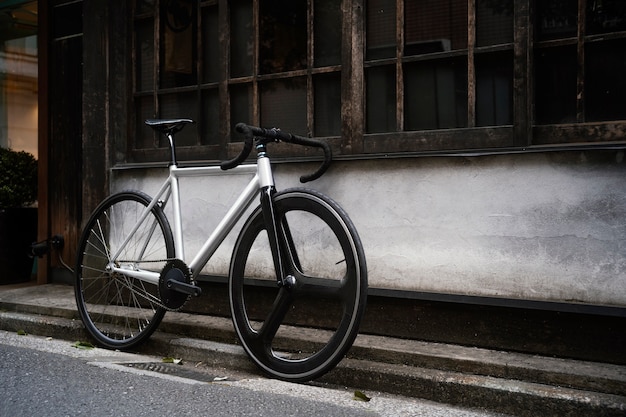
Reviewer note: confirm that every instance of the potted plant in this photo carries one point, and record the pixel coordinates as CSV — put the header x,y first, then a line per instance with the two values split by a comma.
x,y
18,217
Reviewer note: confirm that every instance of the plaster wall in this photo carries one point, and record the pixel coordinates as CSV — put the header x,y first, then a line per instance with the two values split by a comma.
x,y
547,226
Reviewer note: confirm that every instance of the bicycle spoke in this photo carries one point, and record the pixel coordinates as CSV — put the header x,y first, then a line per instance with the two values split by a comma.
x,y
276,317
120,311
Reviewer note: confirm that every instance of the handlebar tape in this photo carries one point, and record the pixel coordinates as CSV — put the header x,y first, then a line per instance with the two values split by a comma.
x,y
249,132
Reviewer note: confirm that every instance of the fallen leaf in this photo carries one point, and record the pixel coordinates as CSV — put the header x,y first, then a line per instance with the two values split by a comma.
x,y
83,345
22,333
359,396
173,360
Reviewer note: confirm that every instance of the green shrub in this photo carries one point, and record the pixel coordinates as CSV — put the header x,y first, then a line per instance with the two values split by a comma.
x,y
18,179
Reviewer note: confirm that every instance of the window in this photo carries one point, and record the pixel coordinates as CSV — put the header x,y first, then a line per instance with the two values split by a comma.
x,y
580,61
396,76
438,65
280,65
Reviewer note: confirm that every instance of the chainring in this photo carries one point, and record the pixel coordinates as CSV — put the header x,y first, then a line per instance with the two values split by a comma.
x,y
179,271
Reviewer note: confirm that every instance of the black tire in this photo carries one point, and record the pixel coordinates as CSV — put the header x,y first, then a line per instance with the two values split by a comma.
x,y
327,260
117,310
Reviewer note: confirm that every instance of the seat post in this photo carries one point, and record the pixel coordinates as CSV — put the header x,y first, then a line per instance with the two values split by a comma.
x,y
170,138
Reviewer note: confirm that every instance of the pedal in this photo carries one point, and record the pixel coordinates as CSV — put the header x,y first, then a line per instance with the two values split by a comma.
x,y
175,286
182,287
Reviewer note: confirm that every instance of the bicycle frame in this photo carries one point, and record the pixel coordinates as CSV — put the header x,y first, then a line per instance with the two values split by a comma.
x,y
263,179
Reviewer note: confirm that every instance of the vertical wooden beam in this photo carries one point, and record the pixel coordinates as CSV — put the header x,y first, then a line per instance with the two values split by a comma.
x,y
399,68
580,73
223,18
522,57
352,80
471,64
310,93
43,215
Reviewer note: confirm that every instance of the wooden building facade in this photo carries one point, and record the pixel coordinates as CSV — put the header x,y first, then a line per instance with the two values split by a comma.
x,y
512,92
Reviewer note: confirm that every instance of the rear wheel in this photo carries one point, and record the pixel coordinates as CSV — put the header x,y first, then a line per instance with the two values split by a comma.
x,y
326,260
120,311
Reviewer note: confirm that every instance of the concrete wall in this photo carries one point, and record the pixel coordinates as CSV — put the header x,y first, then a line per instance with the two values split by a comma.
x,y
548,226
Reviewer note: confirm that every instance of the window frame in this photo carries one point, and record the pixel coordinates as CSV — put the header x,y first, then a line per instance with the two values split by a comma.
x,y
353,142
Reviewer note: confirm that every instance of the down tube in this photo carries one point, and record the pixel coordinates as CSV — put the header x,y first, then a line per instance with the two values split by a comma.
x,y
225,226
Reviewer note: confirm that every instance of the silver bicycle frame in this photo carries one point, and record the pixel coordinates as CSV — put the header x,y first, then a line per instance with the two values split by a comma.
x,y
170,191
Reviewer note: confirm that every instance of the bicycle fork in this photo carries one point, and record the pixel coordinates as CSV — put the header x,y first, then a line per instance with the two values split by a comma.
x,y
276,226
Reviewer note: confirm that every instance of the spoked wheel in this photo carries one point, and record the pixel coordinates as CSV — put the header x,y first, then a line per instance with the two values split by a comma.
x,y
120,311
328,292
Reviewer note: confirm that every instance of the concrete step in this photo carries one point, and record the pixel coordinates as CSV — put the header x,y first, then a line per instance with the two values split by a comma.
x,y
506,382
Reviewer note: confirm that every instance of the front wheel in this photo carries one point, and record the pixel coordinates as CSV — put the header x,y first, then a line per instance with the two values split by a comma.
x,y
324,256
120,311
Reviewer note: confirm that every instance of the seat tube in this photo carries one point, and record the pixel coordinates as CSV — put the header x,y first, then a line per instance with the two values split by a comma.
x,y
178,224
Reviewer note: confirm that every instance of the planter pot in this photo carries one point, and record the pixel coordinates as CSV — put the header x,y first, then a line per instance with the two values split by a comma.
x,y
18,230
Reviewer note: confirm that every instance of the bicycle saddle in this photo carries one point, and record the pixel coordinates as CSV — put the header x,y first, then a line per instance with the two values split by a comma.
x,y
168,126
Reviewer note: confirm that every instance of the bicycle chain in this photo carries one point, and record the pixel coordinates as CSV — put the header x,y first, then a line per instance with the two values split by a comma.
x,y
145,295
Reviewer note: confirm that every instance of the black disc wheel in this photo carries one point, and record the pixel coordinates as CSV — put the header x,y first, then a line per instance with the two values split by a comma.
x,y
299,330
118,310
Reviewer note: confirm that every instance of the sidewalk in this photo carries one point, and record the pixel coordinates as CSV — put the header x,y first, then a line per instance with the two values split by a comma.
x,y
505,382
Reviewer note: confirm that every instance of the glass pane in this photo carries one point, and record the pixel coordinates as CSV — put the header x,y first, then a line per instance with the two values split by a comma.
x,y
605,84
145,6
434,26
283,105
494,89
178,59
210,45
606,16
327,114
555,85
145,138
19,79
180,105
240,105
327,28
494,22
381,99
210,120
436,95
381,29
144,31
241,39
556,19
282,36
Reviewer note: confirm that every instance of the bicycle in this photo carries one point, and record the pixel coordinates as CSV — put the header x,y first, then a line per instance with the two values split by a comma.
x,y
298,245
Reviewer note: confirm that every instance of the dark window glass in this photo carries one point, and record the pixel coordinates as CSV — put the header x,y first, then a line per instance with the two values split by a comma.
x,y
145,54
494,89
556,19
241,38
240,104
327,28
494,22
434,26
210,45
178,55
381,29
381,99
210,120
145,138
283,105
145,6
605,81
327,105
605,16
555,85
283,36
436,94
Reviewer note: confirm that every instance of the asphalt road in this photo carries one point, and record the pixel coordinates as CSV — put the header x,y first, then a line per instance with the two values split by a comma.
x,y
45,377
